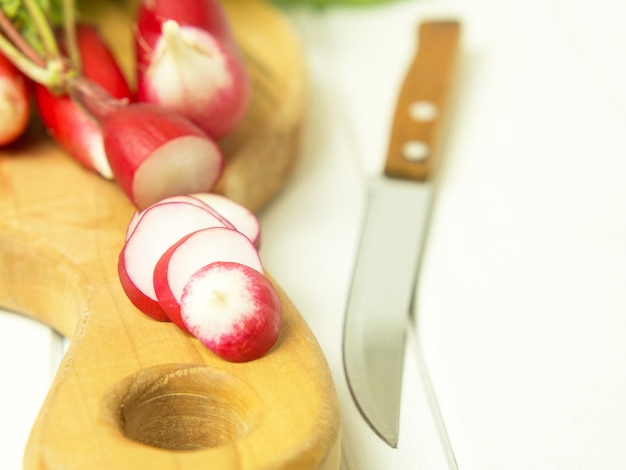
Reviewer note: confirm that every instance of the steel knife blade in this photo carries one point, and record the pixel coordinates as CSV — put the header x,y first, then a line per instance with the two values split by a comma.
x,y
395,225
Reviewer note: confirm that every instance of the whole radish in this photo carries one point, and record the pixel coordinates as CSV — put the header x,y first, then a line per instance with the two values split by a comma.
x,y
75,130
14,102
188,62
153,153
233,310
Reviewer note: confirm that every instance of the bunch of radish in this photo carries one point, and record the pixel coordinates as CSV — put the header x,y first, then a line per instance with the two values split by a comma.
x,y
161,139
193,260
190,256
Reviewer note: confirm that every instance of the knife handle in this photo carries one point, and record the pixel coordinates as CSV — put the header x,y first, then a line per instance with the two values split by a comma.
x,y
419,113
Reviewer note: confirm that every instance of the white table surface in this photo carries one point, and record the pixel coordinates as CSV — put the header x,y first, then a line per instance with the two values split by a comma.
x,y
522,295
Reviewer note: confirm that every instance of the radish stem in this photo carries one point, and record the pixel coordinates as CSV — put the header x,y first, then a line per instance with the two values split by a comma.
x,y
39,74
93,98
69,27
43,29
50,69
20,43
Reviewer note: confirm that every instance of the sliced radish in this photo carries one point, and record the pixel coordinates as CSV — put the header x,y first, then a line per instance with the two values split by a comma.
x,y
241,217
144,303
159,228
233,310
153,152
191,253
182,198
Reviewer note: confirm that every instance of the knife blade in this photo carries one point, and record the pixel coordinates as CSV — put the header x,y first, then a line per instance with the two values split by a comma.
x,y
390,250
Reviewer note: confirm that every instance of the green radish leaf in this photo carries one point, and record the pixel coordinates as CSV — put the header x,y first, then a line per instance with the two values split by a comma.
x,y
18,14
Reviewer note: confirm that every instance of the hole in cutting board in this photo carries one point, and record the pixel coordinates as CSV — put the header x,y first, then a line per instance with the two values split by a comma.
x,y
182,407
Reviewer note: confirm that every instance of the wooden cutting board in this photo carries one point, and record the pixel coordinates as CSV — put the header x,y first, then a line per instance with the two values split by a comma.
x,y
136,393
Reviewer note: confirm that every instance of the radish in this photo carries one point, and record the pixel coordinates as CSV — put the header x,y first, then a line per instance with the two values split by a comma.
x,y
191,253
14,102
202,14
241,217
159,228
137,215
153,152
72,128
188,62
233,310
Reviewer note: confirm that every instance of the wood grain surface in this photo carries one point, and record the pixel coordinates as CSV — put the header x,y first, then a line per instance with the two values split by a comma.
x,y
132,392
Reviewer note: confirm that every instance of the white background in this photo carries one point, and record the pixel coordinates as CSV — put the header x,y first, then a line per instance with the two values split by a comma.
x,y
522,298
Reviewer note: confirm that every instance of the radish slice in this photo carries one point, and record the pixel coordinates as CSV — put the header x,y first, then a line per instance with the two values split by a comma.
x,y
233,310
191,253
241,217
182,198
144,303
159,228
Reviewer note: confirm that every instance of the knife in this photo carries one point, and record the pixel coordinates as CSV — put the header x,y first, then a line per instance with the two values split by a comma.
x,y
398,210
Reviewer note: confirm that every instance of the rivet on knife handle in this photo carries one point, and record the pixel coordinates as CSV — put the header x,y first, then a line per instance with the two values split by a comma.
x,y
413,144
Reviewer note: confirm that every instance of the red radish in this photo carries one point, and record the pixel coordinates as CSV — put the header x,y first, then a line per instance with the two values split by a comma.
x,y
233,310
190,254
137,215
14,102
77,132
159,228
240,216
153,152
203,14
188,62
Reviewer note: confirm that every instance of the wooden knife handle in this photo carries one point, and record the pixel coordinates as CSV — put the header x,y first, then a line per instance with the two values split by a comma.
x,y
419,114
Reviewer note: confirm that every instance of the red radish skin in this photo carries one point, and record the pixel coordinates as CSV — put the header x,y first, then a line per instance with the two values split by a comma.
x,y
72,128
14,102
180,198
160,227
188,62
233,310
204,14
190,254
144,303
241,217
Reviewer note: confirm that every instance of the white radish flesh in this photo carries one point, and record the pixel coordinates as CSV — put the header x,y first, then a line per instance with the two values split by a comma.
x,y
233,310
240,216
179,166
137,215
